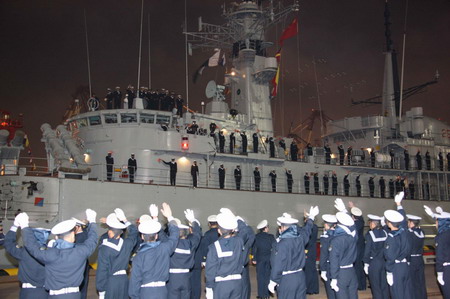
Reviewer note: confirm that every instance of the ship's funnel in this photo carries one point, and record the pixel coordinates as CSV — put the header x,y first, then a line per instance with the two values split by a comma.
x,y
3,137
18,138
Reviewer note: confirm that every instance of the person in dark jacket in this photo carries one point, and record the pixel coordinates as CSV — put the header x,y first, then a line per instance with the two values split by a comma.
x,y
311,275
419,160
306,182
244,142
238,177
261,252
341,154
131,95
222,171
391,188
179,104
358,186
382,184
117,98
273,180
326,183
346,182
255,142
334,184
329,225
349,155
327,154
31,272
173,171
289,179
109,166
359,226
64,262
428,160
294,151
316,183
309,149
371,187
372,158
109,99
272,147
392,155
194,174
132,167
288,256
257,177
232,142
221,142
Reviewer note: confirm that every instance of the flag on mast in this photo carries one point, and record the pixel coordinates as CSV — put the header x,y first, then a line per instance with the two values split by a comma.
x,y
213,61
290,31
276,78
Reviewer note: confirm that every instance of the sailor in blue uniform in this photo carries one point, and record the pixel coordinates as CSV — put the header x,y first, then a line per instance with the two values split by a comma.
x,y
329,225
442,245
311,275
151,264
261,252
65,261
416,265
397,252
374,258
288,257
31,271
359,226
225,260
342,254
182,259
246,233
113,256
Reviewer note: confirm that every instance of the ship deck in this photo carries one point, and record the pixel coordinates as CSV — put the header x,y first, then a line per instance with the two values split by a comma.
x,y
9,286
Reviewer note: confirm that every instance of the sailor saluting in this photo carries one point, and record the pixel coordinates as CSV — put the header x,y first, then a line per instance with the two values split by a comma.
x,y
288,256
113,257
442,244
151,264
64,262
31,271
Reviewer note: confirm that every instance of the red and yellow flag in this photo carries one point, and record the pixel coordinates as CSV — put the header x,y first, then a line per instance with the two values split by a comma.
x,y
290,31
276,78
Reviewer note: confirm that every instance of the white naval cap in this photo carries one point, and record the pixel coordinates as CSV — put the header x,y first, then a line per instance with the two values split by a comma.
x,y
179,224
344,219
149,227
286,218
356,211
145,217
212,218
328,218
63,227
413,217
78,221
113,222
262,224
374,217
227,220
443,215
393,216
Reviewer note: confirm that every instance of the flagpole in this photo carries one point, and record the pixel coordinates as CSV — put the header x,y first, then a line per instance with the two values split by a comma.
x,y
149,57
186,54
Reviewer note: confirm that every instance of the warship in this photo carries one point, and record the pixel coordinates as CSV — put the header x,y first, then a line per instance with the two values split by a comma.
x,y
77,176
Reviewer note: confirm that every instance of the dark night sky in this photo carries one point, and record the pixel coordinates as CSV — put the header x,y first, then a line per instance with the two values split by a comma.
x,y
43,54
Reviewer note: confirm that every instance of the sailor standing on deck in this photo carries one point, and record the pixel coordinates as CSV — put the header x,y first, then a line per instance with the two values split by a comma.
x,y
288,256
65,261
194,174
428,160
349,155
257,176
397,252
294,151
232,142
382,183
419,160
342,254
182,259
358,186
329,225
255,142
442,245
117,98
221,176
311,275
261,252
132,167
173,171
31,271
272,147
221,142
374,258
326,183
359,226
109,99
244,142
334,184
238,177
371,186
152,262
346,185
416,265
109,166
225,260
306,181
290,180
273,179
113,257
341,154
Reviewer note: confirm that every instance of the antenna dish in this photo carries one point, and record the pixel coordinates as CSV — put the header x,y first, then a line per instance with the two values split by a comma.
x,y
211,89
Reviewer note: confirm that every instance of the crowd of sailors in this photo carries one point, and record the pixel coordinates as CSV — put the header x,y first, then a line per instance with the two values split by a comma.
x,y
144,259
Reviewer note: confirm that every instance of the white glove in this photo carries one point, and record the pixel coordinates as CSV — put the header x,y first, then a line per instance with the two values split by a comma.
x,y
271,286
101,295
334,286
189,214
90,215
383,221
390,278
366,269
22,220
203,264
16,220
439,210
399,197
313,212
323,274
209,293
339,205
120,215
153,210
429,211
440,278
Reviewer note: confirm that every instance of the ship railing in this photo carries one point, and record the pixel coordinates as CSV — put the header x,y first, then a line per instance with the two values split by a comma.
x,y
161,176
